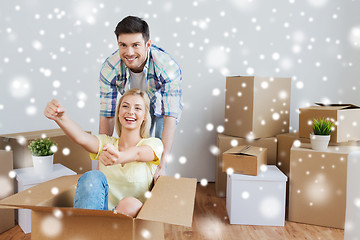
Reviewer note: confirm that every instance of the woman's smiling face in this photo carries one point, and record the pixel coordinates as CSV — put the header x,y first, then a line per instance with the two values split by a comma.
x,y
132,112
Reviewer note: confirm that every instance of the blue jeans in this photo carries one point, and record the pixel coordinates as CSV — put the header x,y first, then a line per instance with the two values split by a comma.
x,y
92,191
157,123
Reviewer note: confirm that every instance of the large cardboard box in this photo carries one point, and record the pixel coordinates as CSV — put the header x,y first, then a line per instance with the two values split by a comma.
x,y
171,202
318,185
225,142
7,219
284,143
257,200
69,153
346,117
257,107
352,220
245,159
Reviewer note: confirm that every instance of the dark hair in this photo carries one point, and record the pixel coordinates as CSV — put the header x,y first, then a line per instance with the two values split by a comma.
x,y
132,24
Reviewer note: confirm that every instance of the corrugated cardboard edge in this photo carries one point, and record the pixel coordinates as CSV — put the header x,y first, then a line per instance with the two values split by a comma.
x,y
41,198
38,195
179,205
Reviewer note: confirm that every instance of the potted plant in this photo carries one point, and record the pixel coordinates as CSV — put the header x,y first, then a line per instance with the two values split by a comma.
x,y
321,136
42,151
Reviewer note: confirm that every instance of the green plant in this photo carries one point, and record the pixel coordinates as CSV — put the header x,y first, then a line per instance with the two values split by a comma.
x,y
41,147
322,126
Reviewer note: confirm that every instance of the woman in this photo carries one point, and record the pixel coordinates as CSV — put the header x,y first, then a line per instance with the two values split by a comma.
x,y
126,164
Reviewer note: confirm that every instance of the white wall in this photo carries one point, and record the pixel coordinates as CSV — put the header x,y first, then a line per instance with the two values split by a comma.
x,y
54,49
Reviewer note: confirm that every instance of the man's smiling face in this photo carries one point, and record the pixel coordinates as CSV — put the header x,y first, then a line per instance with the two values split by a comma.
x,y
133,50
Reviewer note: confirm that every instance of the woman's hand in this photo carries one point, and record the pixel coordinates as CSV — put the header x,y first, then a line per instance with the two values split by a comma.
x,y
54,110
110,156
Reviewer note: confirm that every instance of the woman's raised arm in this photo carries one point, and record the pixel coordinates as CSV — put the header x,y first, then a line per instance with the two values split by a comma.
x,y
55,111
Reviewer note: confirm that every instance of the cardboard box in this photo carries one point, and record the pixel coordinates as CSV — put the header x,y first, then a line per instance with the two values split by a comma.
x,y
318,185
257,107
257,200
245,159
7,219
352,220
224,143
26,179
346,117
69,153
284,143
171,201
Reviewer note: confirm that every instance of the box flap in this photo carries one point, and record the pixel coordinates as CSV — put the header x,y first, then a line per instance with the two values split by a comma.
x,y
245,150
40,194
54,196
338,105
172,201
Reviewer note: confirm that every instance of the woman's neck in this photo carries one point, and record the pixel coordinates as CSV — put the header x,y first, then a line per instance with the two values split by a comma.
x,y
128,139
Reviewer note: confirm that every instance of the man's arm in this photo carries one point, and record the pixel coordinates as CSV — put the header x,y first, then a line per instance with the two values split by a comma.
x,y
169,127
106,125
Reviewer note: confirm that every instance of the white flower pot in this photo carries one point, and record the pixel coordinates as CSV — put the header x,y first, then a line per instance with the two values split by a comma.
x,y
319,142
43,165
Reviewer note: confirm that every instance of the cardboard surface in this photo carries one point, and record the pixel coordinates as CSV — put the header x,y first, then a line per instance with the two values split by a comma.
x,y
7,219
257,200
318,185
284,143
172,202
77,160
244,159
47,226
179,204
345,115
224,143
257,106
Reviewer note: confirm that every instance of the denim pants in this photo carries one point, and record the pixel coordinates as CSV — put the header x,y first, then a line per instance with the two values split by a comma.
x,y
157,123
92,191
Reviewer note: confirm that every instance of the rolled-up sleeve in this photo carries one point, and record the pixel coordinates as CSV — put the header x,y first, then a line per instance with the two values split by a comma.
x,y
108,90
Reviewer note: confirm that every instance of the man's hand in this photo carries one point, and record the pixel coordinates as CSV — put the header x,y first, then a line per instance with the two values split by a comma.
x,y
160,171
110,156
161,168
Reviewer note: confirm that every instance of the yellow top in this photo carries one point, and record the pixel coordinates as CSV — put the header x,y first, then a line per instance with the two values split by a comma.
x,y
132,180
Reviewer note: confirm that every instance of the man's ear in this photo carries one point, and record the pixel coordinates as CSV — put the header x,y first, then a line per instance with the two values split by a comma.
x,y
148,43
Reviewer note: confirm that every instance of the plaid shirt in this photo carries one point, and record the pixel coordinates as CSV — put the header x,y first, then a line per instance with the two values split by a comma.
x,y
162,76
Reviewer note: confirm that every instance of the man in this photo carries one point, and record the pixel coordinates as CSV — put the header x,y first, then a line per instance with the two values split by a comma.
x,y
139,64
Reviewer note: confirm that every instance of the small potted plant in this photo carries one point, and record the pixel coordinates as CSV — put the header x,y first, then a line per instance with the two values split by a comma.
x,y
42,151
321,136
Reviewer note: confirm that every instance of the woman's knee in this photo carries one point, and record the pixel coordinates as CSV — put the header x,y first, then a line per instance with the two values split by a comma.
x,y
91,179
129,205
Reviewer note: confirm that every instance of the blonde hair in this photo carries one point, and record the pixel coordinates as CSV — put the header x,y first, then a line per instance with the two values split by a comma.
x,y
145,125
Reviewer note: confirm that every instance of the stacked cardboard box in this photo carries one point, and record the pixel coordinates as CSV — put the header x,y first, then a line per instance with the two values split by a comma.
x,y
346,117
256,110
225,143
318,179
69,154
318,185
